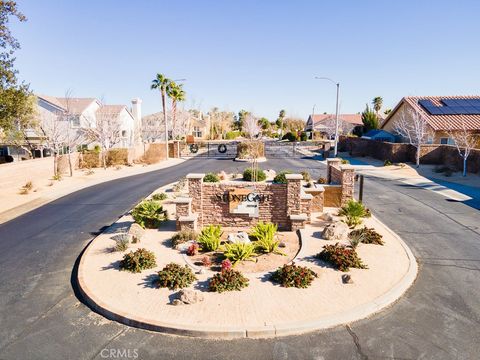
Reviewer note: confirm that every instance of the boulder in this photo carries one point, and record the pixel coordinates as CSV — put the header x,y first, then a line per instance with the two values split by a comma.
x,y
239,237
282,244
347,279
335,231
137,232
326,217
187,296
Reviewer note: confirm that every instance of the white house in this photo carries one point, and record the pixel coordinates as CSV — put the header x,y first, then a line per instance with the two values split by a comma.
x,y
88,111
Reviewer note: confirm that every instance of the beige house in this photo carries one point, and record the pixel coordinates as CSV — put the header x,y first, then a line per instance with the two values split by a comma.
x,y
325,123
442,113
188,122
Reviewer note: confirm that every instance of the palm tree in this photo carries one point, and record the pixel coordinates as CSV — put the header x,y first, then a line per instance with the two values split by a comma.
x,y
377,103
161,82
175,93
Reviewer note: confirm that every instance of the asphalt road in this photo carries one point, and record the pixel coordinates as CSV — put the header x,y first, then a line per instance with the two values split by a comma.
x,y
42,318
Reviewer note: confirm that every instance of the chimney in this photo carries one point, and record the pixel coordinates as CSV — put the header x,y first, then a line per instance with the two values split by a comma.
x,y
137,115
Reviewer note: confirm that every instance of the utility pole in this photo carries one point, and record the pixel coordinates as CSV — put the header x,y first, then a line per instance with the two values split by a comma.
x,y
337,84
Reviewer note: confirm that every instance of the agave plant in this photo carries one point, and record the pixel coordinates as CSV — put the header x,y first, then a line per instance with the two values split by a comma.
x,y
239,251
264,234
209,238
149,214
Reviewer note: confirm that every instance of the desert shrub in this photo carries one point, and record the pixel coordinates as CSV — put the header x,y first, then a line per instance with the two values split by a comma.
x,y
290,137
250,149
341,257
230,135
294,276
352,221
209,238
206,261
57,177
353,208
322,180
387,163
180,185
154,153
137,261
280,178
226,264
97,149
159,196
149,214
306,176
192,249
369,236
183,237
90,159
25,189
303,136
345,161
260,175
117,157
239,251
227,280
175,276
121,242
264,235
211,178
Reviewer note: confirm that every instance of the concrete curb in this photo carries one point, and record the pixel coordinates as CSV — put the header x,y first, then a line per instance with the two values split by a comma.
x,y
269,330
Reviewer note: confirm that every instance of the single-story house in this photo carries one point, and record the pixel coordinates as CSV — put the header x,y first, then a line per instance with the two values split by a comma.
x,y
379,135
325,124
442,114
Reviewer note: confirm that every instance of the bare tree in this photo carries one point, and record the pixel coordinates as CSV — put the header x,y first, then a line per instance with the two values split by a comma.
x,y
465,141
413,127
152,128
54,127
251,126
106,131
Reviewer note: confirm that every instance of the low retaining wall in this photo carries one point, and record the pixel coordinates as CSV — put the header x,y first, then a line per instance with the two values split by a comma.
x,y
430,154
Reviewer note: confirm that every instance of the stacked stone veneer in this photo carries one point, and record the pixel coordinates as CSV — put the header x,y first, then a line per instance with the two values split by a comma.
x,y
342,175
288,206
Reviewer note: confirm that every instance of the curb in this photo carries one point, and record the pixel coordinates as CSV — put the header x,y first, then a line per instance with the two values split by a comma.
x,y
270,330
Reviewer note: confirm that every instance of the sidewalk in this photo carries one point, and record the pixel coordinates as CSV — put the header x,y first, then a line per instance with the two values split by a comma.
x,y
13,204
456,186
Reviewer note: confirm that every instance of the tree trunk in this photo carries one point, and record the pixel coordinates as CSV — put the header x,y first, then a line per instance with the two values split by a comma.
x,y
70,163
464,166
418,156
104,159
55,162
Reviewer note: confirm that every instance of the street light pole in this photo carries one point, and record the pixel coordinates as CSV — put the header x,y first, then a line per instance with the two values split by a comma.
x,y
337,84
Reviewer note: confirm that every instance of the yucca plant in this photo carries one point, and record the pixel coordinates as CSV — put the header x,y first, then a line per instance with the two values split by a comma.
x,y
264,234
149,214
209,238
239,251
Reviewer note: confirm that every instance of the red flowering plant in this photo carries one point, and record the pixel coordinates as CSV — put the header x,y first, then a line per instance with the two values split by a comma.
x,y
192,249
342,257
294,276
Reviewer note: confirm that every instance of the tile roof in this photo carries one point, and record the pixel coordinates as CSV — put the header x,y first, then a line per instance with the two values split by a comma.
x,y
76,105
441,122
110,109
350,118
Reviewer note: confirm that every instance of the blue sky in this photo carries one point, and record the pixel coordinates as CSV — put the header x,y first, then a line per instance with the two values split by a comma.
x,y
260,56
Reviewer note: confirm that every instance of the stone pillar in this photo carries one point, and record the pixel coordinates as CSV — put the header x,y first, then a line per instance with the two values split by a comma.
x,y
195,192
348,182
330,163
294,187
183,208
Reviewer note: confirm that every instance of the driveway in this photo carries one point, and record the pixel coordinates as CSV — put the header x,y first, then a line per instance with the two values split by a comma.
x,y
42,317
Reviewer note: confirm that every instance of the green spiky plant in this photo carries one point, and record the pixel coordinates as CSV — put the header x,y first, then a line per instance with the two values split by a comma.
x,y
149,214
210,238
264,234
239,251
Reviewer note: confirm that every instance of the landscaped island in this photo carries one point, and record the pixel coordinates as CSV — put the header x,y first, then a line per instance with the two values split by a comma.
x,y
215,279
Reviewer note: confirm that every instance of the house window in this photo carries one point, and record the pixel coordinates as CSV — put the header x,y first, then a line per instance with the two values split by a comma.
x,y
447,141
75,121
197,132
